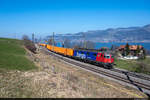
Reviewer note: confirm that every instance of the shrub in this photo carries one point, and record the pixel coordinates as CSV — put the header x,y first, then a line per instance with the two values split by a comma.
x,y
142,67
29,44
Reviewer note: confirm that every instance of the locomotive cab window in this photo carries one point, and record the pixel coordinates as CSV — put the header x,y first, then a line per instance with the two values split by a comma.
x,y
106,56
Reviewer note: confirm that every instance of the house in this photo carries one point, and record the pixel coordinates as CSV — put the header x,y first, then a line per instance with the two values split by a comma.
x,y
133,49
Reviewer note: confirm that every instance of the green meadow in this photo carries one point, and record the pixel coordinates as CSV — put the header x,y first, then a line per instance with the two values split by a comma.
x,y
13,55
140,66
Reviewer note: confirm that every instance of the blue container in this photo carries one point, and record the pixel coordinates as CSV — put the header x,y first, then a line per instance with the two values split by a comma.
x,y
85,55
58,44
80,54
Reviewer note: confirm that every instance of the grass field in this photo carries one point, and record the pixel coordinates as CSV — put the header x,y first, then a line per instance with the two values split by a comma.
x,y
53,79
140,66
12,55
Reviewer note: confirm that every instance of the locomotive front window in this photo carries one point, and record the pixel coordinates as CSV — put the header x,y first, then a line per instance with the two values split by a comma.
x,y
106,56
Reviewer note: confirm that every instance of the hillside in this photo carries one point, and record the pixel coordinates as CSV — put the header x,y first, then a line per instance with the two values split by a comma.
x,y
53,78
130,34
12,55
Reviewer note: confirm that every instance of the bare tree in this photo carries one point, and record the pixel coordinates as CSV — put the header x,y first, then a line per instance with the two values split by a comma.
x,y
29,44
78,45
50,41
67,43
26,40
33,37
25,37
90,45
114,47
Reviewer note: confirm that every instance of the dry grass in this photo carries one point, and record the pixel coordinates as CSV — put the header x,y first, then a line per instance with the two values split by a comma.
x,y
54,78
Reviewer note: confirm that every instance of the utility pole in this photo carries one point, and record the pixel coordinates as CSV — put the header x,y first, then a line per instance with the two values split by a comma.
x,y
84,43
53,41
33,37
63,44
40,39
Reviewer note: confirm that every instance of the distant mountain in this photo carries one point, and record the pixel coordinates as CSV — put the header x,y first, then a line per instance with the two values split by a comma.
x,y
130,34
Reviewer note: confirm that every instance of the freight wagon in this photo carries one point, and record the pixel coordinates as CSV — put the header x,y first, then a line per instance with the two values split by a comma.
x,y
99,58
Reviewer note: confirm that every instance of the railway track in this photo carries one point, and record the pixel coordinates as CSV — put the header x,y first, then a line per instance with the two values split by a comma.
x,y
108,74
132,74
142,86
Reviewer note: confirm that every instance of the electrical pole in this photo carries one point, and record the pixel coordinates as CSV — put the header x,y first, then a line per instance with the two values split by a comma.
x,y
40,40
84,43
33,37
53,41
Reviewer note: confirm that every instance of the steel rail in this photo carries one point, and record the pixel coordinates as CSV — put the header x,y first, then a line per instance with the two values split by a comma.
x,y
145,86
131,74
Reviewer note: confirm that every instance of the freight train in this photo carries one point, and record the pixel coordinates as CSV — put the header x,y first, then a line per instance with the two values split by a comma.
x,y
103,59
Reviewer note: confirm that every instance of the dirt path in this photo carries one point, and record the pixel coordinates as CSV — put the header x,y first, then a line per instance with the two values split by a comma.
x,y
54,78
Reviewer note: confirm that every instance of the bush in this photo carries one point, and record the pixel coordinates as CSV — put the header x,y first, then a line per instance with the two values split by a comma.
x,y
29,44
143,68
31,47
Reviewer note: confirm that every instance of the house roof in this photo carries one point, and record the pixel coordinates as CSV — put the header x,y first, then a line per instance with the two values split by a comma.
x,y
131,47
134,47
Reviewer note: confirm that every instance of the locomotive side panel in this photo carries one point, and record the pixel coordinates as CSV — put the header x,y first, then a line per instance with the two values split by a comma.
x,y
100,57
91,56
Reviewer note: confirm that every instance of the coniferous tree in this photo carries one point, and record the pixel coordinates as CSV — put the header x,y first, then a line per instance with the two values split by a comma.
x,y
144,53
127,50
138,50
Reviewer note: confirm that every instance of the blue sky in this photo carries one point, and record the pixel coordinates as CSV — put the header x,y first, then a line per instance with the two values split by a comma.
x,y
18,17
